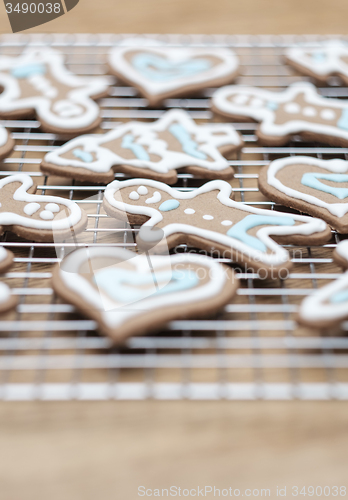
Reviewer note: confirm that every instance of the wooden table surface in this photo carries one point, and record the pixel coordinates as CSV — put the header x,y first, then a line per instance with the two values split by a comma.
x,y
89,451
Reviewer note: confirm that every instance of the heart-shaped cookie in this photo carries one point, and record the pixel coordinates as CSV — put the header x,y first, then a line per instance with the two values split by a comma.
x,y
160,71
130,294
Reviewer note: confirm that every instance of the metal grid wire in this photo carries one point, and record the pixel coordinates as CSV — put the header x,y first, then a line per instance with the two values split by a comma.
x,y
253,350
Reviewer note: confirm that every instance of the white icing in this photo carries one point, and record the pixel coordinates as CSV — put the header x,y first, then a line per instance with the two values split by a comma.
x,y
78,95
228,66
210,137
156,198
278,256
52,207
227,223
31,208
142,190
21,195
317,307
5,293
330,63
46,215
335,166
309,111
115,314
208,217
134,195
292,108
189,211
266,116
327,114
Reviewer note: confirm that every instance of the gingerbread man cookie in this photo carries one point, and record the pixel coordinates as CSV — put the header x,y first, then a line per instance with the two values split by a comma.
x,y
297,110
208,219
38,82
328,306
131,294
37,217
330,59
159,71
154,150
6,259
6,143
317,187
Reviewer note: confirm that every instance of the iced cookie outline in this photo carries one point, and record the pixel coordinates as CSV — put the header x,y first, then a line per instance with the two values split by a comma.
x,y
321,188
202,219
204,143
322,62
43,71
193,62
7,301
309,113
37,217
328,306
211,286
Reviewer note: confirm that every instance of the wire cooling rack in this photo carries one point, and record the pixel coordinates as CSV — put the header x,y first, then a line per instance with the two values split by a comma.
x,y
253,350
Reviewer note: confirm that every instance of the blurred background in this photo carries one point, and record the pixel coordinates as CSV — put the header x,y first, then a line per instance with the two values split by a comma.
x,y
89,451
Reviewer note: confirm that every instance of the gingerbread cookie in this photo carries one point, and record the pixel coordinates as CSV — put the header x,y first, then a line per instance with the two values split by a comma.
x,y
6,143
37,217
38,82
159,71
316,187
208,219
321,63
155,150
328,306
131,294
297,110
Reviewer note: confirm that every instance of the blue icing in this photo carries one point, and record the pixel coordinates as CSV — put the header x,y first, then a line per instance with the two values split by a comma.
x,y
239,231
339,297
168,205
319,56
83,155
311,179
272,105
121,284
188,145
159,69
28,70
343,121
137,149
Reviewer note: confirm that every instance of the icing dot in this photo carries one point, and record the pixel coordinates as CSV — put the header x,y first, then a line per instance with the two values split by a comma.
x,y
155,198
327,114
240,98
133,196
169,205
309,111
31,208
46,215
257,102
292,108
227,223
52,207
189,211
208,217
142,190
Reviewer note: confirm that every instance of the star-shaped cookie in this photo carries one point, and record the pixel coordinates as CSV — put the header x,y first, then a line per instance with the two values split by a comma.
x,y
297,110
